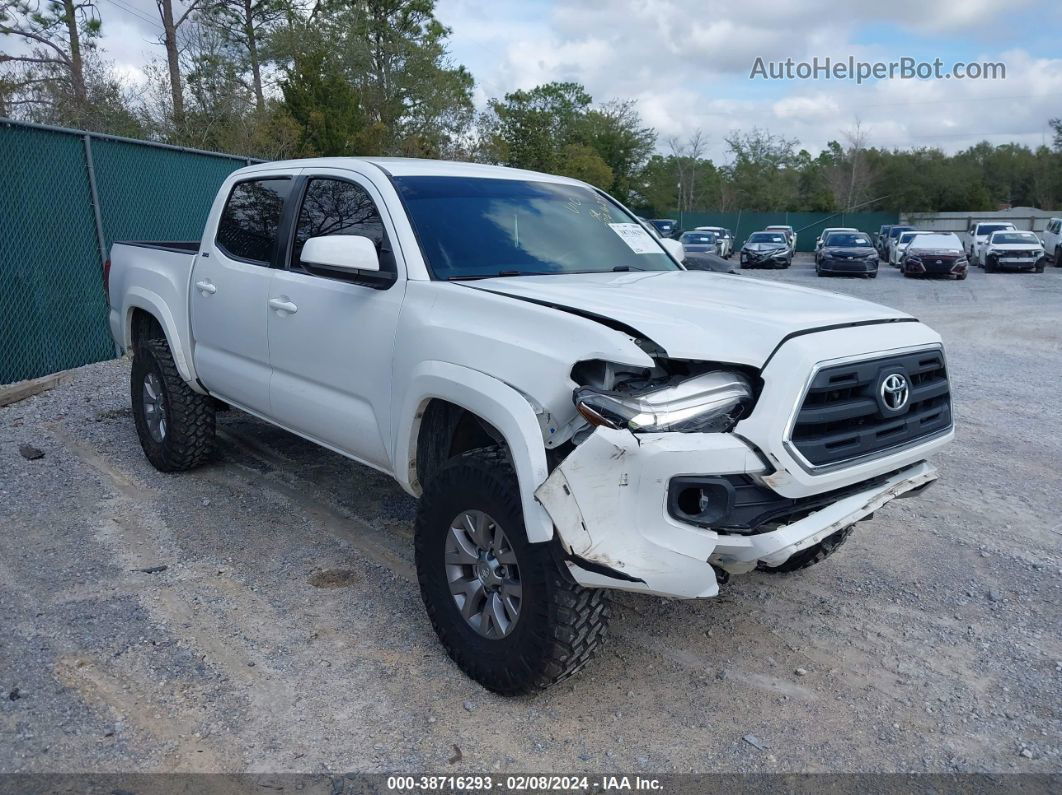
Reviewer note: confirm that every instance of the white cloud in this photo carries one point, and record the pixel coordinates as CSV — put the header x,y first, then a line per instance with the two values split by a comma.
x,y
686,62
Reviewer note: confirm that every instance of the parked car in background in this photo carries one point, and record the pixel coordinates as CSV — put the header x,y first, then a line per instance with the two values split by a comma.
x,y
935,254
790,235
667,227
575,411
978,237
724,236
1013,250
902,242
825,233
848,252
894,235
766,250
699,243
881,242
1053,241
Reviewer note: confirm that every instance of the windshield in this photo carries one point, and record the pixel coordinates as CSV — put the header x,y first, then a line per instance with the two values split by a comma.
x,y
766,237
847,240
472,228
987,229
896,230
1015,237
932,242
697,237
907,237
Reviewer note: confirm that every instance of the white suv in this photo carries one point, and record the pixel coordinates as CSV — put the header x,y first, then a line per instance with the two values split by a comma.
x,y
1052,238
979,234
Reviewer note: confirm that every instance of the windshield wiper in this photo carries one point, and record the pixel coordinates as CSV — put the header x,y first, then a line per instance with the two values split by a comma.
x,y
470,276
623,268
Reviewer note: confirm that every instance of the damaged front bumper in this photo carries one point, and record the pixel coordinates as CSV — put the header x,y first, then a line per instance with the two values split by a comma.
x,y
609,502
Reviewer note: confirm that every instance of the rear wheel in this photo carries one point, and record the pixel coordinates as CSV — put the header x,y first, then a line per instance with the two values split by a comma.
x,y
175,424
504,610
813,554
1058,257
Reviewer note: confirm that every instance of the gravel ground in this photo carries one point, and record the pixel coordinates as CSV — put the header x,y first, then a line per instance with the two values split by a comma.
x,y
286,631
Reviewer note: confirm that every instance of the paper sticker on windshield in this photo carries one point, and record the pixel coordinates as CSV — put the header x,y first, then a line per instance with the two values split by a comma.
x,y
635,236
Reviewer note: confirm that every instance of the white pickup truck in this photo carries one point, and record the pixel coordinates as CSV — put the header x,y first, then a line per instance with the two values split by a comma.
x,y
575,410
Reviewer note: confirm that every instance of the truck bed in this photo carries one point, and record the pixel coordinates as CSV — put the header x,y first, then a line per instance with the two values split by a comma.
x,y
153,275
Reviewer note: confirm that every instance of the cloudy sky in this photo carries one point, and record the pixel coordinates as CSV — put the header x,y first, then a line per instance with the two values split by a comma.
x,y
687,62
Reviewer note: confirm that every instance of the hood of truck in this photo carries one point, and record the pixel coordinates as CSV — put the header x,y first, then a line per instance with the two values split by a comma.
x,y
695,314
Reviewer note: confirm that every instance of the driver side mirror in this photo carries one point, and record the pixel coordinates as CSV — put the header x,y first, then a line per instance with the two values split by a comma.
x,y
344,253
349,258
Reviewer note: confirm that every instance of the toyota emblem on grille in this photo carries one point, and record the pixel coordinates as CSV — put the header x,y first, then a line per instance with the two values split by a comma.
x,y
894,391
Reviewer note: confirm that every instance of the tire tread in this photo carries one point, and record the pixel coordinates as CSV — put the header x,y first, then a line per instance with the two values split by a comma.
x,y
576,622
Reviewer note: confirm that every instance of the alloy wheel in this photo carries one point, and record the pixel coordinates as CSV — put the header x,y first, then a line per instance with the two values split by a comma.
x,y
483,574
154,407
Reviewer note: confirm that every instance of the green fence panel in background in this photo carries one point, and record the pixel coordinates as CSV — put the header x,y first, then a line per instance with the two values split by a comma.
x,y
52,307
149,193
807,225
53,312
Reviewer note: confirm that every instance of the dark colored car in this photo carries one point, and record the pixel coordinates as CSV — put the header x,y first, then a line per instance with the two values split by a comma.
x,y
667,227
848,252
883,236
766,250
935,255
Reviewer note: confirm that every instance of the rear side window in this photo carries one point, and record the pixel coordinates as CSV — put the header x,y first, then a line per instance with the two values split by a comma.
x,y
336,207
250,220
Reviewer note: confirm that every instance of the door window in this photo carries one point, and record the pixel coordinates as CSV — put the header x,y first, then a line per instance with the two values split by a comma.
x,y
250,220
338,207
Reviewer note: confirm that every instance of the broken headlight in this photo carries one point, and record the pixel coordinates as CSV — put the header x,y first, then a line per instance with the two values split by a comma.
x,y
706,403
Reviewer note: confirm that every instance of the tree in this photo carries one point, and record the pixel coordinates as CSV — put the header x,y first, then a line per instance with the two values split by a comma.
x,y
393,53
246,25
582,162
762,170
170,27
324,107
529,129
686,156
58,34
615,132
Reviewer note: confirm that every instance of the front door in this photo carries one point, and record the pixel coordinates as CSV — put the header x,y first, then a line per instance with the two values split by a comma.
x,y
230,290
330,340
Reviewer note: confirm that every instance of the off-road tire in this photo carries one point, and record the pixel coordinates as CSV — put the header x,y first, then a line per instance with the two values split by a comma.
x,y
189,438
561,625
813,554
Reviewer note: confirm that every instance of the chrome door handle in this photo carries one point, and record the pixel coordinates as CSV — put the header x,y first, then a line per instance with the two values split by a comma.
x,y
281,305
206,287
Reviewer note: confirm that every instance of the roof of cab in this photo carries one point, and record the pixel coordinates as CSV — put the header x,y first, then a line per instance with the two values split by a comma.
x,y
417,167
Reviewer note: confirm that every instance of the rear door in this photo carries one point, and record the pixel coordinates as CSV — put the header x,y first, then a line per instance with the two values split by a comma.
x,y
331,339
230,291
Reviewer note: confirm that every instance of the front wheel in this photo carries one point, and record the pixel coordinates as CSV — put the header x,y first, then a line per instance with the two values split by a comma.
x,y
504,610
175,423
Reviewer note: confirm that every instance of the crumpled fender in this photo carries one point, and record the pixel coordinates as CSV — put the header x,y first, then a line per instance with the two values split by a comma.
x,y
494,401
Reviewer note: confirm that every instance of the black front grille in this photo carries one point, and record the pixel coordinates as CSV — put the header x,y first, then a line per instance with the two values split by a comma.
x,y
845,414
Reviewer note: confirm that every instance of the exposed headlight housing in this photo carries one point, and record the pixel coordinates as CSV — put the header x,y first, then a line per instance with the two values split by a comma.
x,y
712,402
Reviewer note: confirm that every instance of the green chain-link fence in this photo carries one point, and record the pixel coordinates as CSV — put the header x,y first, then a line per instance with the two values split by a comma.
x,y
53,313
